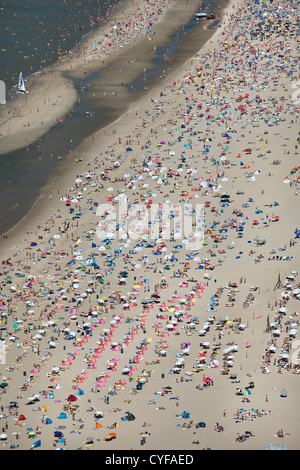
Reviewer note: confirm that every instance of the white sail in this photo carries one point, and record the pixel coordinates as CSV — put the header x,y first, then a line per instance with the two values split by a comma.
x,y
21,84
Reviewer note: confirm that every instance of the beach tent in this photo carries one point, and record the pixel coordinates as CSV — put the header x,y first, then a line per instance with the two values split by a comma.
x,y
36,444
13,404
283,393
71,398
129,416
62,415
275,447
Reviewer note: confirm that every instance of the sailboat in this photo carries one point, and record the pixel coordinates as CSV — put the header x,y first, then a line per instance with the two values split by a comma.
x,y
21,85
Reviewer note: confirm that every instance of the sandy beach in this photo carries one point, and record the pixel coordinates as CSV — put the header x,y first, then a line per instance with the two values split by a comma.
x,y
126,336
52,93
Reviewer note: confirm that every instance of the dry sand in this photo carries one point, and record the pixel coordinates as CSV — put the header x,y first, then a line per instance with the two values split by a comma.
x,y
177,139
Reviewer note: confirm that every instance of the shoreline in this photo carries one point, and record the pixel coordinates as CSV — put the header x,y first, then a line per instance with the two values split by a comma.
x,y
52,87
148,338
